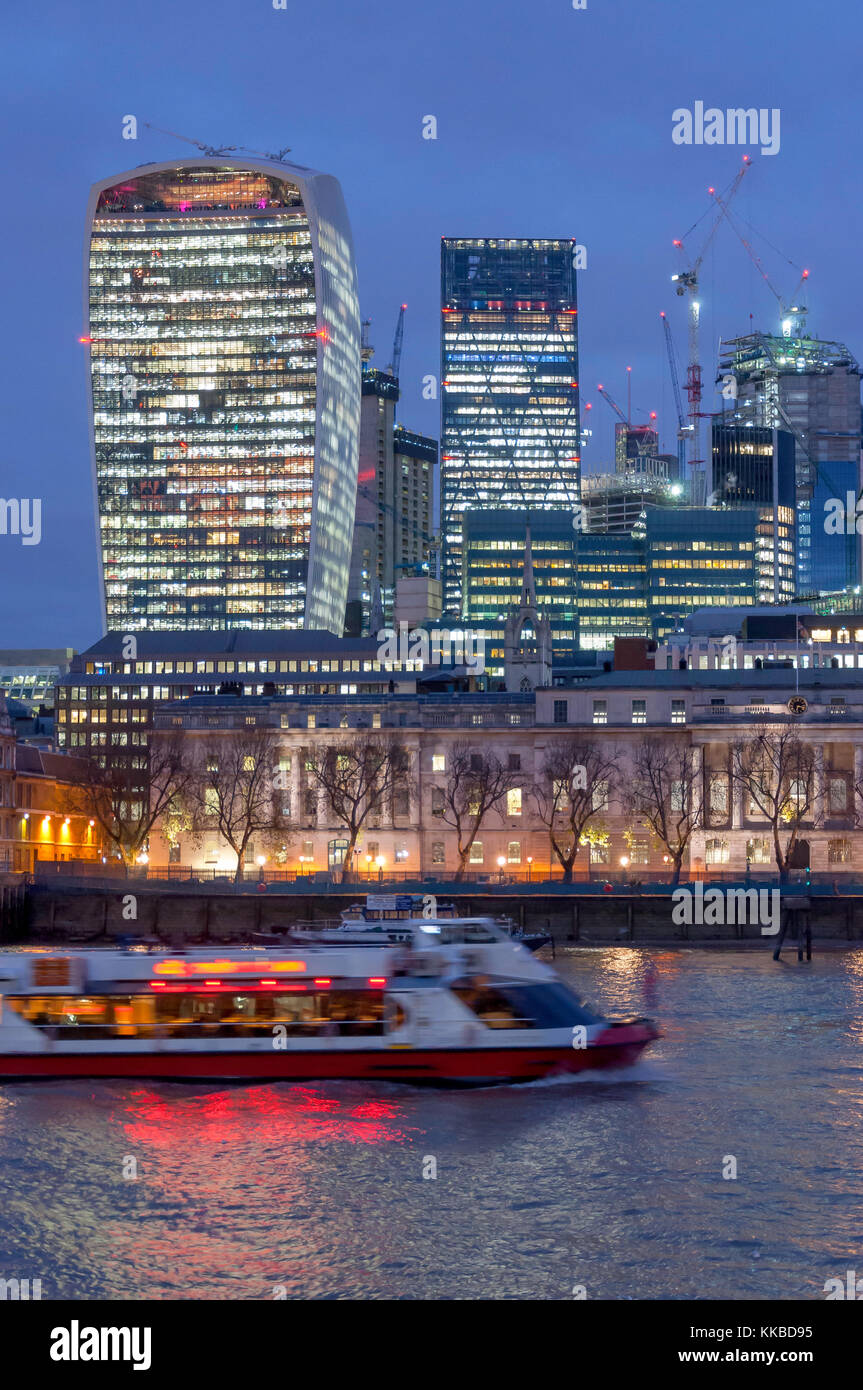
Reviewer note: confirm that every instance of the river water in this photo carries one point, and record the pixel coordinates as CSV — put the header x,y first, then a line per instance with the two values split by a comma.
x,y
614,1185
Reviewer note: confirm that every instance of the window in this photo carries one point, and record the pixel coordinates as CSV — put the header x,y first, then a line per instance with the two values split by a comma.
x,y
837,795
438,762
211,801
376,720
310,721
308,849
758,851
600,711
437,801
513,801
716,852
838,851
599,854
513,852
678,711
476,852
719,797
560,711
476,762
639,711
514,762
438,852
639,850
310,803
401,802
599,796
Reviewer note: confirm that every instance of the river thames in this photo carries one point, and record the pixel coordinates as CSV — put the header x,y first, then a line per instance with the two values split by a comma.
x,y
611,1184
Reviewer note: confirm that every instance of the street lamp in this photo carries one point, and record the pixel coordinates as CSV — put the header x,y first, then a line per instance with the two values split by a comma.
x,y
368,866
500,863
529,865
380,861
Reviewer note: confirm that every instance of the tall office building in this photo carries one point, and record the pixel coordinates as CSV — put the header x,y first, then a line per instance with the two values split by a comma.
x,y
509,384
754,466
393,531
224,344
812,389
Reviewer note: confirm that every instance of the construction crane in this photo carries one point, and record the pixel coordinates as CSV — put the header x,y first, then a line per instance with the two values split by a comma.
x,y
212,150
399,338
792,314
606,396
683,429
686,282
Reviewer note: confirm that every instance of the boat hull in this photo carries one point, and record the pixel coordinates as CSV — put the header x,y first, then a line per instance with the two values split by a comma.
x,y
442,1065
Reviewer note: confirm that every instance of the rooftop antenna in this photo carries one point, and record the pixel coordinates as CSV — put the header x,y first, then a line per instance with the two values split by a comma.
x,y
211,150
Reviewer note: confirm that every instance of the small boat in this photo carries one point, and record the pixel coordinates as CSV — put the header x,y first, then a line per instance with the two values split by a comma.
x,y
461,1002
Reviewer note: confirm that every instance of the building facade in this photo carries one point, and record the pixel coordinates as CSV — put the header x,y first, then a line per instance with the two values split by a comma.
x,y
223,338
812,389
393,530
709,712
510,434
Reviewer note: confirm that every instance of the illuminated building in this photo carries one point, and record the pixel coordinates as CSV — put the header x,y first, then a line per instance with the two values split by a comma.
x,y
753,465
395,490
811,388
611,589
224,346
494,570
509,385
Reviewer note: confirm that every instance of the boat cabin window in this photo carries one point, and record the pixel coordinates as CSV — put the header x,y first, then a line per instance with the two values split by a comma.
x,y
505,1005
191,1014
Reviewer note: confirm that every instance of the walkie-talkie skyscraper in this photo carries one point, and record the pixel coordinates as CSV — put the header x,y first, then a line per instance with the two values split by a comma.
x,y
510,433
224,340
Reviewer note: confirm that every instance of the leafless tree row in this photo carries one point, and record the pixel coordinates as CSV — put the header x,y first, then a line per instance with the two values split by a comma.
x,y
233,784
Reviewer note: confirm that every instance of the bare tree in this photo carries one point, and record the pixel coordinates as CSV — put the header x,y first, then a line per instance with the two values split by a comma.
x,y
127,803
776,772
476,784
573,790
234,791
667,794
358,779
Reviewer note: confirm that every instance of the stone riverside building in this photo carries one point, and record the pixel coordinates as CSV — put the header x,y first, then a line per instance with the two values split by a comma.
x,y
710,709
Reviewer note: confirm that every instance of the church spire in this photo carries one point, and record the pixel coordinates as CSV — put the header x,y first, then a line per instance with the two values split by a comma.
x,y
528,588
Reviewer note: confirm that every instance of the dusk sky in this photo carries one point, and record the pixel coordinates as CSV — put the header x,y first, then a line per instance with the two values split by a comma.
x,y
551,122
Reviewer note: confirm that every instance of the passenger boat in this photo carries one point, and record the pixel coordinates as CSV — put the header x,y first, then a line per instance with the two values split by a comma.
x,y
361,927
461,1002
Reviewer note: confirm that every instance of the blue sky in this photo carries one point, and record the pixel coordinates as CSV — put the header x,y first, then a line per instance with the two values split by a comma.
x,y
551,122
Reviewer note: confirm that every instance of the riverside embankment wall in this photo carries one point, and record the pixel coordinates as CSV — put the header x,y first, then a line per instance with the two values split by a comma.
x,y
52,914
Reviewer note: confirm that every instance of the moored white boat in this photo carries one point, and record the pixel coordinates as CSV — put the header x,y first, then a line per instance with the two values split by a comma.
x,y
460,1002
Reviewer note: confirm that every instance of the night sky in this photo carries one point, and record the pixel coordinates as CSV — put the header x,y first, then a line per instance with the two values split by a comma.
x,y
551,122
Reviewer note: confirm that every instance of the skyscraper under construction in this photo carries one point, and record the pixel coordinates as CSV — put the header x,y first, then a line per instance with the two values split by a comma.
x,y
509,384
812,389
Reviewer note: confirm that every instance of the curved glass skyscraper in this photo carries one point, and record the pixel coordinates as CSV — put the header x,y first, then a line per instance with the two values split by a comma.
x,y
224,341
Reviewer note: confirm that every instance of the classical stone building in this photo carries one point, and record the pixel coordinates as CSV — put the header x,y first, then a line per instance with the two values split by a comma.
x,y
707,711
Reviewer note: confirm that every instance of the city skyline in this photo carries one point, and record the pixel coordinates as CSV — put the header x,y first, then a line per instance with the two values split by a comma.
x,y
607,172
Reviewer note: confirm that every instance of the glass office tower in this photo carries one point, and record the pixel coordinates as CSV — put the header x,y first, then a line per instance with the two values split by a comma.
x,y
224,342
509,384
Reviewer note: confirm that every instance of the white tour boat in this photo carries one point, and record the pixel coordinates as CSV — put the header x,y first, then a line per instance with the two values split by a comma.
x,y
461,1002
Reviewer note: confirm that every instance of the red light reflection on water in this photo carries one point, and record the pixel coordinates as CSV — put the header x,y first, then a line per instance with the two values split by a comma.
x,y
296,1114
